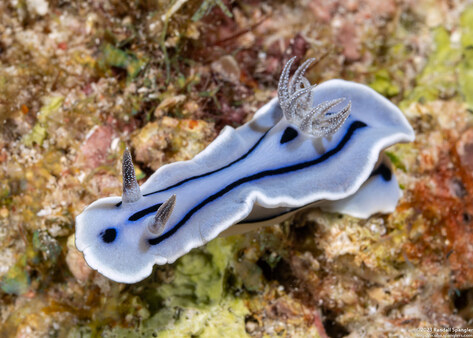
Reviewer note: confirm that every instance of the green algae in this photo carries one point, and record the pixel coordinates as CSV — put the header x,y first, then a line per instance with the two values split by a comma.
x,y
39,132
44,243
226,319
199,277
116,57
52,105
396,160
438,78
383,84
466,65
196,302
17,280
449,68
140,174
36,136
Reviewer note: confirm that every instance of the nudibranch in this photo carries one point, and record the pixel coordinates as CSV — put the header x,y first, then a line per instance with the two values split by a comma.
x,y
316,146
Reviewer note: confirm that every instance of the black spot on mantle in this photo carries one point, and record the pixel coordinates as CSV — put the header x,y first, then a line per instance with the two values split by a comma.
x,y
109,235
288,135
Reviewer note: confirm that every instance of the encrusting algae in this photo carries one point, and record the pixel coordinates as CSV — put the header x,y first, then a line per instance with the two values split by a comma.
x,y
80,82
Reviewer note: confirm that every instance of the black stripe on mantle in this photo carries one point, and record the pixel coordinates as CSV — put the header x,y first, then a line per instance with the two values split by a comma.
x,y
381,170
142,213
273,172
213,171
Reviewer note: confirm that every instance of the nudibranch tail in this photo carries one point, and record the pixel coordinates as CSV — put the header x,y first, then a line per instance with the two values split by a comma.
x,y
162,216
295,98
131,189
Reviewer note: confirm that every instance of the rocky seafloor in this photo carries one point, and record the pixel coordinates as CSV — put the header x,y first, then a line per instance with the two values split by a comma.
x,y
81,80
